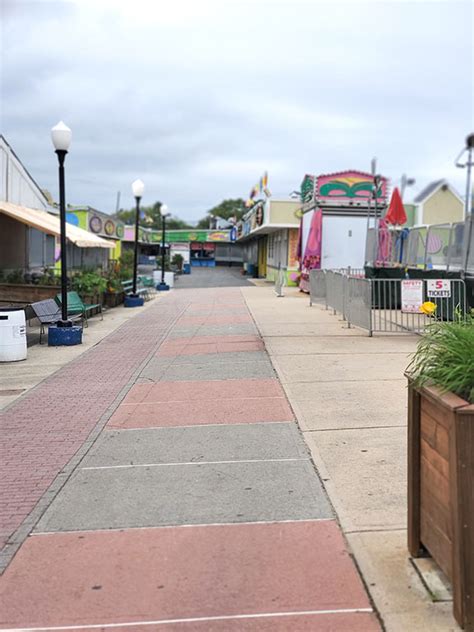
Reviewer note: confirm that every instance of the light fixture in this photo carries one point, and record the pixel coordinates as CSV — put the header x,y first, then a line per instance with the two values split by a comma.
x,y
138,188
61,136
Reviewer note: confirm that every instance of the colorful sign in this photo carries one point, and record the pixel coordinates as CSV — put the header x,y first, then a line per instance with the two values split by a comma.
x,y
173,236
95,224
293,248
412,296
348,185
109,228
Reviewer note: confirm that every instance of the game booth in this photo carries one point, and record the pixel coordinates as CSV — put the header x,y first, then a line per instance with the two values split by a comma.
x,y
334,223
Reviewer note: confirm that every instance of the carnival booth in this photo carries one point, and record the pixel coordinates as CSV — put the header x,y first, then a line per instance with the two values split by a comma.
x,y
336,210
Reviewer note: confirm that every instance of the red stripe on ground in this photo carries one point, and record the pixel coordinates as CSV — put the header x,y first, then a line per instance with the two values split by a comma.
x,y
181,572
203,390
212,347
199,412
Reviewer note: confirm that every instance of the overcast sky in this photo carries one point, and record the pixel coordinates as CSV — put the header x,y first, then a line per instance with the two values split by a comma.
x,y
199,97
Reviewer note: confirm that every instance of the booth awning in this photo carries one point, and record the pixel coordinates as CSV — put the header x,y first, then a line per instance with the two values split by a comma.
x,y
47,223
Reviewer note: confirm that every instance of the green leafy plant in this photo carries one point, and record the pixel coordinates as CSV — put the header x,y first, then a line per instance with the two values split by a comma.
x,y
49,277
445,357
89,283
178,261
15,276
125,265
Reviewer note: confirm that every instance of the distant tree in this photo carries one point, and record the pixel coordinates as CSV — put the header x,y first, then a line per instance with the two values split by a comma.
x,y
227,209
151,218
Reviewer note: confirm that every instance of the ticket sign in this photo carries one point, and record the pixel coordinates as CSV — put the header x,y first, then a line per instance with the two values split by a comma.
x,y
439,288
412,295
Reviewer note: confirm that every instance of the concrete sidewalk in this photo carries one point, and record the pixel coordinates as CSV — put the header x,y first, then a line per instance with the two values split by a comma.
x,y
349,395
196,506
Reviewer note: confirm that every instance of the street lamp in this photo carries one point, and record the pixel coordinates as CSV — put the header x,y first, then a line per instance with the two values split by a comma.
x,y
133,299
468,164
63,333
468,214
162,287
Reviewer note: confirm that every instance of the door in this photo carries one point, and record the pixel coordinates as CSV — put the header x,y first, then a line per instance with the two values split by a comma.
x,y
262,257
343,242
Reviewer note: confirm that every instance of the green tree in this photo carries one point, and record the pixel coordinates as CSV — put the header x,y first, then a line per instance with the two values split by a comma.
x,y
227,209
151,218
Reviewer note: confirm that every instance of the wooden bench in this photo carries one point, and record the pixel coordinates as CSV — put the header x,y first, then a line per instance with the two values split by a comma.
x,y
75,306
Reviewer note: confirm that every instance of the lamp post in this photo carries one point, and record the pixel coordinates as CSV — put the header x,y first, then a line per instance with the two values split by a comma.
x,y
162,286
468,215
63,333
133,299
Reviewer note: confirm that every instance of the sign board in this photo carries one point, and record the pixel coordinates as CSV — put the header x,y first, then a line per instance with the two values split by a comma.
x,y
412,296
439,288
349,186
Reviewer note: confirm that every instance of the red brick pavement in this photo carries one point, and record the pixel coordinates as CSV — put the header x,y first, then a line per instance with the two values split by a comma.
x,y
43,430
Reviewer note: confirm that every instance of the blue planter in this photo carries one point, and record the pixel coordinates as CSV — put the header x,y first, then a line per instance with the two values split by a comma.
x,y
64,336
133,301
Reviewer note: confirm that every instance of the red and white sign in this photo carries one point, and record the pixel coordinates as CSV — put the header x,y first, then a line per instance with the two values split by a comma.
x,y
439,288
412,295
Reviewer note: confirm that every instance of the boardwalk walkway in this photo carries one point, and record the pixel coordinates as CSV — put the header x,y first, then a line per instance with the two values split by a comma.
x,y
165,485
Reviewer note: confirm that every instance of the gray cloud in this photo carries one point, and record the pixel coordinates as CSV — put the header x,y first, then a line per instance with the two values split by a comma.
x,y
198,99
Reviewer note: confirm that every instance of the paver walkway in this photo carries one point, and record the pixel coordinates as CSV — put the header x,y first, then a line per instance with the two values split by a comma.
x,y
196,508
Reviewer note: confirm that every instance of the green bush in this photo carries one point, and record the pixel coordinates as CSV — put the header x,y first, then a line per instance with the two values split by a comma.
x,y
124,269
15,276
445,357
178,261
89,283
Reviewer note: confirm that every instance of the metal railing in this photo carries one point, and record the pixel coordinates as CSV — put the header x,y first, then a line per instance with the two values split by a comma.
x,y
317,287
376,304
336,291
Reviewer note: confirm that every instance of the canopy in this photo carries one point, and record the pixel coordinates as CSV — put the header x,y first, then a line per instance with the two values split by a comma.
x,y
47,223
396,211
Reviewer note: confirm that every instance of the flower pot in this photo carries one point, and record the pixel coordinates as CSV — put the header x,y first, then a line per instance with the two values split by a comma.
x,y
113,299
441,489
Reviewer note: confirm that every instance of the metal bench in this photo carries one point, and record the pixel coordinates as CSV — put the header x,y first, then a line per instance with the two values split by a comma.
x,y
75,306
141,291
48,312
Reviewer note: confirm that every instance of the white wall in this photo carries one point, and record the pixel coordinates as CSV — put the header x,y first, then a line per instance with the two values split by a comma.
x,y
307,219
343,242
16,185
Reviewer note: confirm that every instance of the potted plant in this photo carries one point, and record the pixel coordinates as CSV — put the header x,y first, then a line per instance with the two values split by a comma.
x,y
178,261
90,286
441,454
113,294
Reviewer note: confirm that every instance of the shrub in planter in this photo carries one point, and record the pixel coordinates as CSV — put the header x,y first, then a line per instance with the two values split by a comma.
x,y
178,261
89,285
441,456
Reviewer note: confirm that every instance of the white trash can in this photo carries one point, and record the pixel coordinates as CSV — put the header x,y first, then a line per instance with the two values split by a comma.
x,y
12,334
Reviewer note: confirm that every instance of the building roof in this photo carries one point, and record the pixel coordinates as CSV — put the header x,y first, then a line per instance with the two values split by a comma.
x,y
429,190
39,190
47,223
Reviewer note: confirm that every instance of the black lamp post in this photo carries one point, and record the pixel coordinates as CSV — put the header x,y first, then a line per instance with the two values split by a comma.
x,y
163,287
63,332
61,137
134,299
468,164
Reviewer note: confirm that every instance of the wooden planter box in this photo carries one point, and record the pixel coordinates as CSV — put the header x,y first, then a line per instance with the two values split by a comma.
x,y
26,293
112,299
441,490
